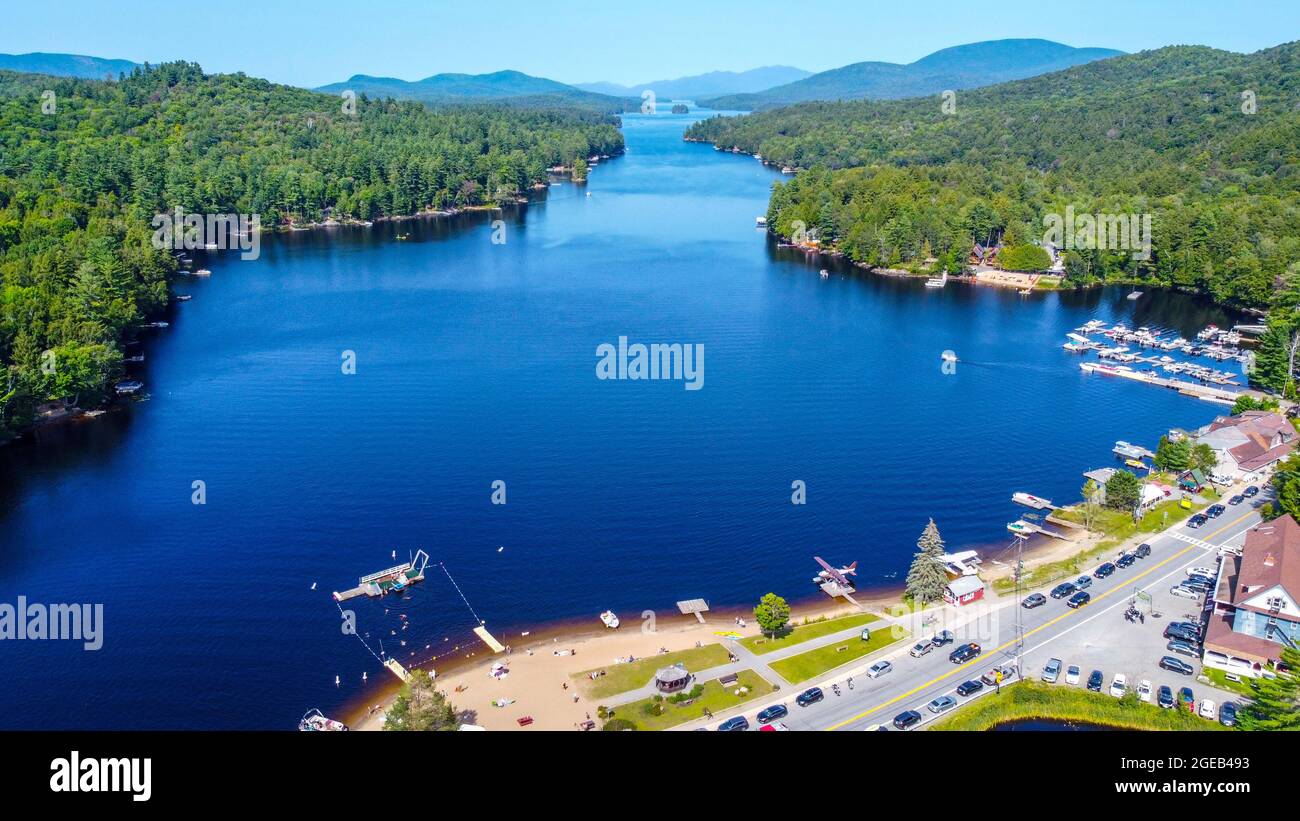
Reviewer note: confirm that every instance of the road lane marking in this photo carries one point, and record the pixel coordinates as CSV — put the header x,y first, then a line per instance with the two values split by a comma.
x,y
981,659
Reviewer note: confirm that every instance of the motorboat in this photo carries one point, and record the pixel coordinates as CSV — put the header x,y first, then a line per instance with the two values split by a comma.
x,y
609,619
314,721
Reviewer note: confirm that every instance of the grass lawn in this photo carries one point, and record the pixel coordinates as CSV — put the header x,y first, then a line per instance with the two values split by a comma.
x,y
815,662
1220,679
804,632
1033,699
619,678
643,713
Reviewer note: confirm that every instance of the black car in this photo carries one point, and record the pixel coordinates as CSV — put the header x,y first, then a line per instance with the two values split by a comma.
x,y
1183,630
1228,713
810,696
1094,681
1197,520
966,688
964,653
1034,600
1215,511
1126,560
1104,571
1174,665
772,714
1236,500
943,637
908,718
1079,599
1200,579
1063,589
1143,551
732,725
1199,585
1250,492
1165,697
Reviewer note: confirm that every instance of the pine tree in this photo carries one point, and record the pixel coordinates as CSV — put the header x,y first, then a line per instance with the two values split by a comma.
x,y
1275,702
926,579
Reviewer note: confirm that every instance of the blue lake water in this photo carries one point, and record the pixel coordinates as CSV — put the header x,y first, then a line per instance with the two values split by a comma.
x,y
476,362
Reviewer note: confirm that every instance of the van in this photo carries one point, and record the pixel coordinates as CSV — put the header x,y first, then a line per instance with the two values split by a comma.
x,y
921,649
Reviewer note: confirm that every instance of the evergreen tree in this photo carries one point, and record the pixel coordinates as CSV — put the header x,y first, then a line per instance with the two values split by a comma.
x,y
1123,490
927,578
1275,702
421,707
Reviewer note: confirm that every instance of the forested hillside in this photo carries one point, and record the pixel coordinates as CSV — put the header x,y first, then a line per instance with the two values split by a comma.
x,y
1167,133
81,179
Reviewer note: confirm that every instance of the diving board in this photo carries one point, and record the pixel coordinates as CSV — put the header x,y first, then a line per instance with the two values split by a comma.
x,y
488,639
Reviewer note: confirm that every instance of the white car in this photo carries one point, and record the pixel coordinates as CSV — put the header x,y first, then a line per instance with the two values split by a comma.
x,y
1207,709
879,669
1072,674
1201,571
1119,685
1144,690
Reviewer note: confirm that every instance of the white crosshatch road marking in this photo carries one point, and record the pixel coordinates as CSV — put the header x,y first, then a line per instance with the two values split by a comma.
x,y
1201,543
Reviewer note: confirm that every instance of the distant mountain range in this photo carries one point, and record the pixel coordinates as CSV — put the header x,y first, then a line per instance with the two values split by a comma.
x,y
967,66
463,88
699,86
65,65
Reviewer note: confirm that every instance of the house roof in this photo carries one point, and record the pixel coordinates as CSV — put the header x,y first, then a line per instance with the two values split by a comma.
x,y
1269,558
1220,637
674,673
965,585
1254,439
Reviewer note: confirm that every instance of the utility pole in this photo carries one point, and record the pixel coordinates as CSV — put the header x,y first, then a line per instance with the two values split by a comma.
x,y
1020,625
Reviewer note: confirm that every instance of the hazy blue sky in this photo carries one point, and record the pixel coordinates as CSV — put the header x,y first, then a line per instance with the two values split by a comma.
x,y
326,40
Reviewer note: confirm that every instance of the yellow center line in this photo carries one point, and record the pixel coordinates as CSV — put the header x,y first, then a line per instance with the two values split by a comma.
x,y
984,659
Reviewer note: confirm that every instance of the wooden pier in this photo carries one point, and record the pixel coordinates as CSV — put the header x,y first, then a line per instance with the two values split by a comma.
x,y
1212,394
383,582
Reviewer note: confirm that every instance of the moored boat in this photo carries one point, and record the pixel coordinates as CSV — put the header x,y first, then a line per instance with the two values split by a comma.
x,y
314,721
609,619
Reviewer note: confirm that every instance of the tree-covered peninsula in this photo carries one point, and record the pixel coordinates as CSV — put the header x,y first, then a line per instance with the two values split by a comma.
x,y
86,165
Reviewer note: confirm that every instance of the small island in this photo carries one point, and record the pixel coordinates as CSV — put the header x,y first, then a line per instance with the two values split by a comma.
x,y
681,108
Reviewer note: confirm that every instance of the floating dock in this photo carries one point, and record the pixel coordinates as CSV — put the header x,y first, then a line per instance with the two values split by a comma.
x,y
1186,388
386,581
489,640
395,667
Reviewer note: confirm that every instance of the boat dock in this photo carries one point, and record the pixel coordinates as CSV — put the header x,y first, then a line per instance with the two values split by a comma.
x,y
387,581
395,667
1206,392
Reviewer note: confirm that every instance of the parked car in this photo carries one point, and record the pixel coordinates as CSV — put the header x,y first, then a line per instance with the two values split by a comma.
x,y
921,648
1250,492
1072,674
1236,500
879,669
1165,697
1198,579
778,727
1186,700
1119,685
1083,582
1176,665
1079,599
942,704
1182,648
810,696
1201,571
1095,680
1215,511
1207,709
1143,550
1198,585
967,688
906,719
1126,560
1062,590
1197,520
964,653
1052,671
1034,600
1184,592
732,725
942,637
1144,691
772,714
1103,571
1228,714
1185,630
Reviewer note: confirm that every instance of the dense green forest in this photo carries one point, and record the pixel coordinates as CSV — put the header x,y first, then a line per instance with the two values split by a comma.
x,y
1205,141
84,170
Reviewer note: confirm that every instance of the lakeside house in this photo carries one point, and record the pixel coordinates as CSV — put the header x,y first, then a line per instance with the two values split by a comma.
x,y
1248,443
1257,601
963,590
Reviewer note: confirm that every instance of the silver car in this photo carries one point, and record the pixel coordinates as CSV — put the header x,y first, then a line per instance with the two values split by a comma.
x,y
879,669
942,704
1052,671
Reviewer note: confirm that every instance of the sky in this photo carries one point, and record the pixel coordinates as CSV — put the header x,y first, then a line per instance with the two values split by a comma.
x,y
324,41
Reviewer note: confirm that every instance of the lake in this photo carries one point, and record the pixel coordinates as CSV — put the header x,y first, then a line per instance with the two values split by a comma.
x,y
476,362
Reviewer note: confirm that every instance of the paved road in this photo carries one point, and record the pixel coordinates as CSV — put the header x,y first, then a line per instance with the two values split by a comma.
x,y
1094,637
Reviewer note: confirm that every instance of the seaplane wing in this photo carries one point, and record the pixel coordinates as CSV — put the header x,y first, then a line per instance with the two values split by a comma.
x,y
838,574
